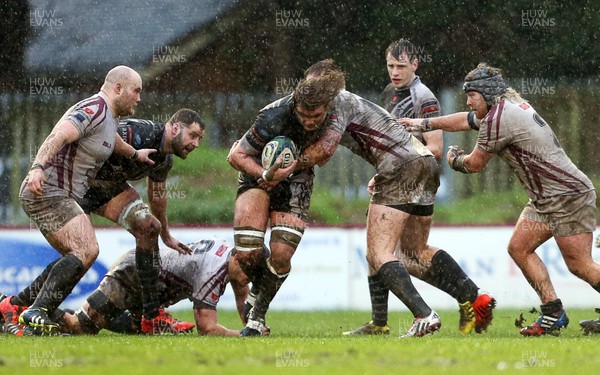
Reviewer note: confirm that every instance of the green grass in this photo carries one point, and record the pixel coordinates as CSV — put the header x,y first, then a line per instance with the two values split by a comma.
x,y
310,342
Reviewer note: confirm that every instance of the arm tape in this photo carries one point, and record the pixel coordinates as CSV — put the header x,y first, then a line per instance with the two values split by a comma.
x,y
458,164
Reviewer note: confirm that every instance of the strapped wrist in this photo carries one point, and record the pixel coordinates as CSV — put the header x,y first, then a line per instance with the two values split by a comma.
x,y
458,164
37,166
264,175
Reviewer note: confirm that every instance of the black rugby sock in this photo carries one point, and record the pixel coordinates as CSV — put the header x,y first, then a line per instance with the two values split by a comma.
x,y
397,279
269,287
148,269
552,308
379,300
62,278
446,275
28,295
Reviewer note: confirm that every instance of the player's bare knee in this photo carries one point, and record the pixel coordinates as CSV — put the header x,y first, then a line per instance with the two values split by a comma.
x,y
578,268
146,227
87,255
137,218
280,261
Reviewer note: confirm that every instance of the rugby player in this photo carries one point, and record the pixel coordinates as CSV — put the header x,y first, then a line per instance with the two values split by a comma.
x,y
59,177
201,276
275,196
111,196
407,96
562,199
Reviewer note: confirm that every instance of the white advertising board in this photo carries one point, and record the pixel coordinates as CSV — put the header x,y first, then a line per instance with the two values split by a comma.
x,y
329,268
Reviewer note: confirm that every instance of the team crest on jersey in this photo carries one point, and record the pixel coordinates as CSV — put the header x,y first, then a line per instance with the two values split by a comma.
x,y
214,296
89,111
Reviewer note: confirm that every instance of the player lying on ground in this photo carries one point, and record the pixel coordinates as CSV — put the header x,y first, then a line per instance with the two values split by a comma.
x,y
202,277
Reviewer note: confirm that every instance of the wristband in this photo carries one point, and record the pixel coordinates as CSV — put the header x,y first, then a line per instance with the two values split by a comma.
x,y
458,164
37,166
134,156
264,175
425,127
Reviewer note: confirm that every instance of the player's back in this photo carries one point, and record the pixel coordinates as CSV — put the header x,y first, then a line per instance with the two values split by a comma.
x,y
373,133
203,275
139,134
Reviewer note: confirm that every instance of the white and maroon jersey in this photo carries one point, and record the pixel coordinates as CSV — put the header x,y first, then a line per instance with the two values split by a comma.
x,y
413,101
68,173
524,140
201,276
371,132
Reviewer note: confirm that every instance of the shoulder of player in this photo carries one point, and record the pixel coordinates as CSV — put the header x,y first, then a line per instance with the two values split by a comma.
x,y
141,125
421,91
503,113
91,108
141,133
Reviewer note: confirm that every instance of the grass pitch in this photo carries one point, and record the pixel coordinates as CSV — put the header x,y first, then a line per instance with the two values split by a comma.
x,y
311,342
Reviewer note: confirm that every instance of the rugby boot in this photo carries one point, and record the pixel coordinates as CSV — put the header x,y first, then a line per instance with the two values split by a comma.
x,y
9,314
590,326
483,306
253,328
38,321
549,324
164,323
369,328
466,324
423,326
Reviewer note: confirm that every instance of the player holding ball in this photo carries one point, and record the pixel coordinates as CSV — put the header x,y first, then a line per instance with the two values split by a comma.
x,y
277,195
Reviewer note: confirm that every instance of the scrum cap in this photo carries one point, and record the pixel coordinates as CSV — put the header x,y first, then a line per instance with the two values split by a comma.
x,y
487,81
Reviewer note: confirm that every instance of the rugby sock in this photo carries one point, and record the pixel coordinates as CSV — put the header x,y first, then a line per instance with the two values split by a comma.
x,y
552,308
267,290
28,295
62,278
123,323
379,300
148,268
397,279
255,273
445,274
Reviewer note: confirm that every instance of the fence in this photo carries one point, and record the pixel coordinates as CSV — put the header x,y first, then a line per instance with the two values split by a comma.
x,y
25,120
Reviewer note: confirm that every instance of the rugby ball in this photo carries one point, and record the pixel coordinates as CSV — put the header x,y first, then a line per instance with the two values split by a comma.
x,y
279,146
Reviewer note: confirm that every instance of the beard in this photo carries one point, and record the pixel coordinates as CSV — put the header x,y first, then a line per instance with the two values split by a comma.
x,y
122,109
177,146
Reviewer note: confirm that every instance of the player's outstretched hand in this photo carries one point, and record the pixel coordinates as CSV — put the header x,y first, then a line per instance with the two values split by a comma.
x,y
452,154
415,124
36,181
143,155
176,245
